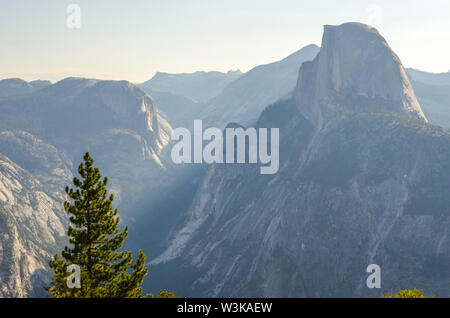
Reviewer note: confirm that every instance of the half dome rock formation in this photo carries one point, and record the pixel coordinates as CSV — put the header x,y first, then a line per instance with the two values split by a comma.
x,y
363,179
355,69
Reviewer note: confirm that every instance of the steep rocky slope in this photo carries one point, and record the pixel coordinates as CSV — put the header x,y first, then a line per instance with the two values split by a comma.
x,y
363,179
32,218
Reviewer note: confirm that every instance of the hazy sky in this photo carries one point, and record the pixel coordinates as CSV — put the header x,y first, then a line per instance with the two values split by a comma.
x,y
133,39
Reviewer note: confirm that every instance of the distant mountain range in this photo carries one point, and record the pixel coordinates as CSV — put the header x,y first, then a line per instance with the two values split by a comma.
x,y
198,86
14,87
243,100
433,92
437,79
226,97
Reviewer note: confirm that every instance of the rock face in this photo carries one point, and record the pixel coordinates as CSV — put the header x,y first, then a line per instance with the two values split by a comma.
x,y
363,179
181,111
49,165
356,64
102,106
33,222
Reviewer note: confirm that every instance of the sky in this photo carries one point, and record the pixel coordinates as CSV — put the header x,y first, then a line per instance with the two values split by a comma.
x,y
133,39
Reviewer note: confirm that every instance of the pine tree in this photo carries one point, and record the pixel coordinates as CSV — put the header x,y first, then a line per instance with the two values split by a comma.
x,y
95,240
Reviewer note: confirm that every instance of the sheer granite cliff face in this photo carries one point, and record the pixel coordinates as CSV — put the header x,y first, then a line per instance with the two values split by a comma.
x,y
355,68
363,179
33,222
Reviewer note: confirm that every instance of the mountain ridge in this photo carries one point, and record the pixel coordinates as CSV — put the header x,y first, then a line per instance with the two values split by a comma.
x,y
199,86
16,87
243,99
